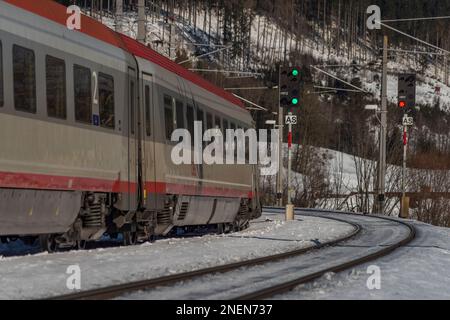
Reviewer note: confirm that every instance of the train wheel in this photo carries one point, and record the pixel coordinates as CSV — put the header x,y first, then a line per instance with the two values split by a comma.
x,y
240,225
129,238
151,238
48,243
80,245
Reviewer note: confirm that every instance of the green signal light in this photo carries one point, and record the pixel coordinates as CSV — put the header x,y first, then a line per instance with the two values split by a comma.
x,y
294,101
295,72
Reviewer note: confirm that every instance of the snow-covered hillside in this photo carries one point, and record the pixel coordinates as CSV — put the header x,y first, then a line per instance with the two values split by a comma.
x,y
269,43
166,38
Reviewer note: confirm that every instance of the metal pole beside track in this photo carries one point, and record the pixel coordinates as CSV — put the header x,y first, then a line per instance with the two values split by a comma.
x,y
118,15
404,209
142,32
383,127
279,194
289,206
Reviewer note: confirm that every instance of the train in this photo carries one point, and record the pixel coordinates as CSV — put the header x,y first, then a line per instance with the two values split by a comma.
x,y
86,118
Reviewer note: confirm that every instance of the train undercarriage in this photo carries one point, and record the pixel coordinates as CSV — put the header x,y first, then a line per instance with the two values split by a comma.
x,y
99,217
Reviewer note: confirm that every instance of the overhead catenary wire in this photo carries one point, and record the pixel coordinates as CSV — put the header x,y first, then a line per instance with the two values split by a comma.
x,y
417,52
336,89
206,54
340,80
251,88
417,19
226,71
251,103
412,37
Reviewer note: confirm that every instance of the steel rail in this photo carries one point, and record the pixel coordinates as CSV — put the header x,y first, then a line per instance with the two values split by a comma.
x,y
111,292
288,286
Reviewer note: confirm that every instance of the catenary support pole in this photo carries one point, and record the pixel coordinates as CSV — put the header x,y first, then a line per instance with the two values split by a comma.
x,y
142,32
279,194
383,127
118,16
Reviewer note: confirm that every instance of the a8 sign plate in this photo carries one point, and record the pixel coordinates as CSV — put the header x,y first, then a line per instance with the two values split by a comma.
x,y
291,119
408,121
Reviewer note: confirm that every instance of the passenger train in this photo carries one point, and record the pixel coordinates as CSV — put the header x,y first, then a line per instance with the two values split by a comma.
x,y
86,118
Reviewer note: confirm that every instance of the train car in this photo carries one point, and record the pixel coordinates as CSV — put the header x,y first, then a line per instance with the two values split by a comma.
x,y
86,119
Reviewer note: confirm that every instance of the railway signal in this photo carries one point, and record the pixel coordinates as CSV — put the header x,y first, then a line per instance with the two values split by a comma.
x,y
407,92
290,86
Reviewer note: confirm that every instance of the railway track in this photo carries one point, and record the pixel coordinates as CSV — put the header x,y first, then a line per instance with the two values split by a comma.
x,y
121,289
289,285
310,270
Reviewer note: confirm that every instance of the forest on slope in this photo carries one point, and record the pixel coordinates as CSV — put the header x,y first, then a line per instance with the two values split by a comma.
x,y
264,34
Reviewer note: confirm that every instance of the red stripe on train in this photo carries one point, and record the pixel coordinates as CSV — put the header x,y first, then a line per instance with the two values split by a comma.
x,y
51,182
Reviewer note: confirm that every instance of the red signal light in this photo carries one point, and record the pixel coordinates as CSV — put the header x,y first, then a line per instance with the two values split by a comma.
x,y
402,104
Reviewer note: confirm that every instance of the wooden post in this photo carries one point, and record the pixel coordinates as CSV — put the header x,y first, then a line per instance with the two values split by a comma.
x,y
404,210
446,70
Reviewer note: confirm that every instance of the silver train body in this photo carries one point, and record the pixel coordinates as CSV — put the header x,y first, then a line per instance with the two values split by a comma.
x,y
68,181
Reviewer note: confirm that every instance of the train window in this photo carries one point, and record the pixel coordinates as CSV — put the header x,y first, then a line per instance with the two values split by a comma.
x,y
225,126
24,67
132,106
190,120
168,116
209,121
1,75
233,127
200,117
180,114
147,111
218,122
106,100
82,94
56,87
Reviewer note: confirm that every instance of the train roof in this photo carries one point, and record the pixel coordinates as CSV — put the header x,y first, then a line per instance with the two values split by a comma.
x,y
58,13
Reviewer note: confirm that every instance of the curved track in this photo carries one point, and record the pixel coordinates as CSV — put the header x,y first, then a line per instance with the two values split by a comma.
x,y
363,252
373,237
121,289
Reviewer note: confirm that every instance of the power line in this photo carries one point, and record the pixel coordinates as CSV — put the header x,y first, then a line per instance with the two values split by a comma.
x,y
227,71
336,89
206,45
342,65
251,88
417,52
412,37
417,19
206,54
323,92
343,81
252,103
241,77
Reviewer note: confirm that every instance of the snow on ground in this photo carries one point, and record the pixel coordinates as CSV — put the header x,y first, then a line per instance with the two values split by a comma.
x,y
420,270
42,275
340,165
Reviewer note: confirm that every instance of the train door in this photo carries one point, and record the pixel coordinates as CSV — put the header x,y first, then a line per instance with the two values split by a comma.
x,y
133,178
148,141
